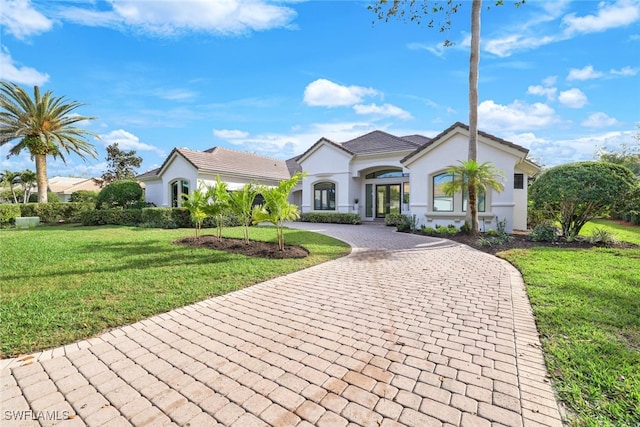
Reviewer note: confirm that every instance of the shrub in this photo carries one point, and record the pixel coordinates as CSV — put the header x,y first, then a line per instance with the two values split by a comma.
x,y
53,213
464,228
8,213
119,194
130,217
51,197
545,232
85,196
395,219
429,231
327,217
576,193
406,224
600,236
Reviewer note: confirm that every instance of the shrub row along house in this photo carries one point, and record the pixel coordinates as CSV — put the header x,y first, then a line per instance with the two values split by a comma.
x,y
373,175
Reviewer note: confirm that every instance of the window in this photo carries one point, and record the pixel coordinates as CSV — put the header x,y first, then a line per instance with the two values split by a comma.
x,y
324,196
405,193
482,201
518,181
179,188
387,173
442,202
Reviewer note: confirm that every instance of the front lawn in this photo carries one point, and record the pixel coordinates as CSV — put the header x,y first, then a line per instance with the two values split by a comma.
x,y
65,283
587,308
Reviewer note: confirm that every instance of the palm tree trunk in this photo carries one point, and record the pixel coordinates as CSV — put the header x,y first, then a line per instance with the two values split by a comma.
x,y
41,175
474,63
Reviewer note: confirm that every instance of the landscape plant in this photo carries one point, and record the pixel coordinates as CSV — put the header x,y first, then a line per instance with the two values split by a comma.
x,y
196,203
43,126
241,203
119,194
276,208
121,165
575,193
218,204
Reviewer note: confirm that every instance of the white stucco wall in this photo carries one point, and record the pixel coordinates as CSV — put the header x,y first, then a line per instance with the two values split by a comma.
x,y
153,191
448,152
520,199
327,163
178,168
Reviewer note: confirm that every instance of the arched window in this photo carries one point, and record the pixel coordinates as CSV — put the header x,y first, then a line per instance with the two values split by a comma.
x,y
324,196
178,188
442,202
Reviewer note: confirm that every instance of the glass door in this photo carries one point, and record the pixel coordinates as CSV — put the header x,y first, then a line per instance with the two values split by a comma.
x,y
387,199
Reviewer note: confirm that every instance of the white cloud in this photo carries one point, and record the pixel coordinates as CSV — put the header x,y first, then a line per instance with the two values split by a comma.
x,y
172,18
549,92
599,120
625,72
20,19
585,73
573,98
514,117
230,134
325,93
128,141
21,75
385,110
618,14
505,46
175,94
550,81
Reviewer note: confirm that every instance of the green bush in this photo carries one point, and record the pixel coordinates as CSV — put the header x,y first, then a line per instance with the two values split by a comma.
x,y
330,217
545,232
112,217
86,196
8,213
53,213
119,194
600,236
51,197
429,231
395,219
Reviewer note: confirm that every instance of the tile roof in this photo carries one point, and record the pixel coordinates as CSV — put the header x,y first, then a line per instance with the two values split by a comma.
x,y
68,185
463,126
226,161
417,139
379,142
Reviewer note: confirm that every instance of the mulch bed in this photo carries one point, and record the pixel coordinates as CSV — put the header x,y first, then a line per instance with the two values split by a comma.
x,y
238,246
521,241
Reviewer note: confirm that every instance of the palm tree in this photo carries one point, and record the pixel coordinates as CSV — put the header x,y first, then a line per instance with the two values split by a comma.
x,y
27,179
241,203
196,203
43,126
10,179
479,177
218,204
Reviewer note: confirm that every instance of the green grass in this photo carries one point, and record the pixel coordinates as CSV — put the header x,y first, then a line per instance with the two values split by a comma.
x,y
61,284
622,232
587,308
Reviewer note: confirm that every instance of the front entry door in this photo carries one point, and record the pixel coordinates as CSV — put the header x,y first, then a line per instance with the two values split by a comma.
x,y
387,199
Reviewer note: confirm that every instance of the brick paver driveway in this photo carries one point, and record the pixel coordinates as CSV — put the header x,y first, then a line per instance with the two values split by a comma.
x,y
406,330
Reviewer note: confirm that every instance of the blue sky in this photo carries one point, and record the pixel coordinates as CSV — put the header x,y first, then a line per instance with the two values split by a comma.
x,y
272,77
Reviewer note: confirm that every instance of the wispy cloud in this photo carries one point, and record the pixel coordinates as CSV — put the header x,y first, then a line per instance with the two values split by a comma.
x,y
585,73
549,92
21,20
618,14
171,18
19,74
384,110
599,120
128,141
517,116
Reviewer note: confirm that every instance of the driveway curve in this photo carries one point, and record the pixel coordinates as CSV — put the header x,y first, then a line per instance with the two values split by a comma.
x,y
405,331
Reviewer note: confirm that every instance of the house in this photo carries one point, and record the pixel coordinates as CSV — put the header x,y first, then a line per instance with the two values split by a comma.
x,y
372,175
65,186
185,169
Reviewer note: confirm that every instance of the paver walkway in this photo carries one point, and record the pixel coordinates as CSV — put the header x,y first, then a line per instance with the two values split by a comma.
x,y
406,330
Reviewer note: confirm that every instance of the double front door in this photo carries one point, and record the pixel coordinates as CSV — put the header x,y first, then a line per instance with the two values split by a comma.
x,y
387,199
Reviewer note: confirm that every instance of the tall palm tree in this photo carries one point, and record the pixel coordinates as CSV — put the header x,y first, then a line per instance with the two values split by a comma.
x,y
479,176
43,126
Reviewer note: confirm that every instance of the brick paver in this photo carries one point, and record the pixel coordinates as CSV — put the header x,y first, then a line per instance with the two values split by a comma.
x,y
407,330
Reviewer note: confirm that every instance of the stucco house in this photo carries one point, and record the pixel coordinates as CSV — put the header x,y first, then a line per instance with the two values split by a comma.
x,y
372,175
65,186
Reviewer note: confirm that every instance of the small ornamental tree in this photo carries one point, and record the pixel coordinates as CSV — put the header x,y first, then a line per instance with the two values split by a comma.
x,y
217,203
576,193
119,194
276,208
196,203
241,203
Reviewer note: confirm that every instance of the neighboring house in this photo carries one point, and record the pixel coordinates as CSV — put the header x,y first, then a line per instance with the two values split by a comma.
x,y
64,186
373,175
185,170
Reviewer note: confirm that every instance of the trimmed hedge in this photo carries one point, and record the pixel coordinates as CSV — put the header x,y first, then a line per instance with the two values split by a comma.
x,y
150,218
131,217
8,213
396,219
333,218
53,213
